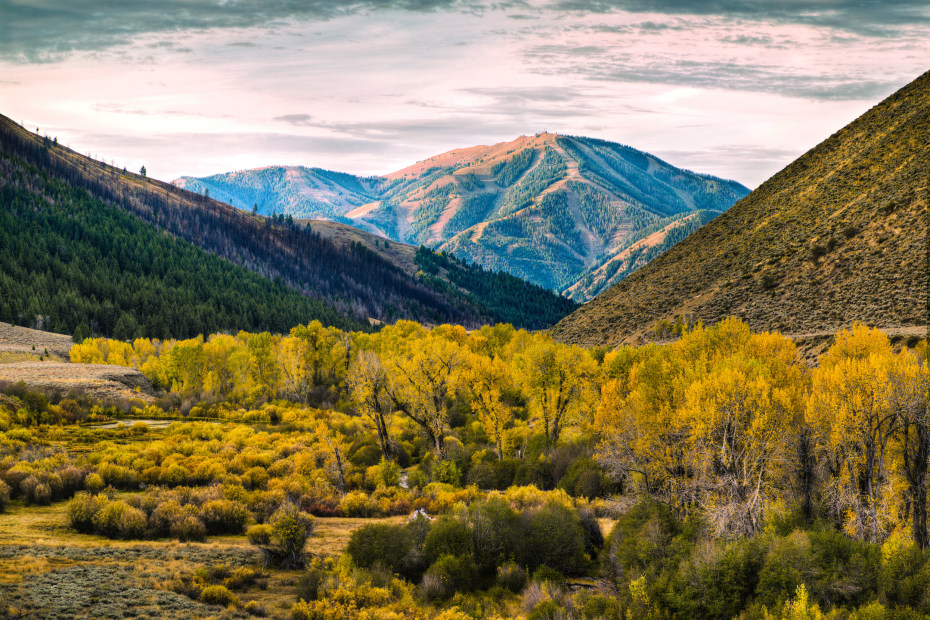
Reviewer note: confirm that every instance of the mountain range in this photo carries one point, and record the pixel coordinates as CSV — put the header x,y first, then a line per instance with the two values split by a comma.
x,y
571,214
838,236
87,245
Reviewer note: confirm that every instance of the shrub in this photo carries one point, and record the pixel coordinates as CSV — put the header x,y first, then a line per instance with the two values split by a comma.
x,y
554,537
358,504
599,607
107,519
382,542
254,608
447,472
244,577
546,574
547,610
284,537
447,536
164,516
511,576
593,537
132,523
218,595
308,586
187,528
81,512
223,516
448,575
4,495
94,483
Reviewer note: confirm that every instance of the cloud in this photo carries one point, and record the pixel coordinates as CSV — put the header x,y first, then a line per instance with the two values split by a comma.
x,y
870,18
715,74
48,31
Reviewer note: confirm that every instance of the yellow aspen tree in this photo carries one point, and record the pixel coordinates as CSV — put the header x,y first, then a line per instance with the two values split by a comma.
x,y
262,365
367,387
742,427
421,380
219,356
911,400
851,406
559,382
486,380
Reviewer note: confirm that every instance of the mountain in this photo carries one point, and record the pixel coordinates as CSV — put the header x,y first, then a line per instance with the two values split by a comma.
x,y
568,213
83,243
836,237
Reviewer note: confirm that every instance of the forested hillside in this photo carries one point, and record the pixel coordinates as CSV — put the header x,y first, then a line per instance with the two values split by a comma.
x,y
553,210
348,283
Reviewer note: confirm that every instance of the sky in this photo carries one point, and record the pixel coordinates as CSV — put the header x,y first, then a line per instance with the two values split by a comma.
x,y
734,88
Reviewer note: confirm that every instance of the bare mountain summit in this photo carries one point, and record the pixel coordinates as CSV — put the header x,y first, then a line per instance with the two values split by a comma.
x,y
836,237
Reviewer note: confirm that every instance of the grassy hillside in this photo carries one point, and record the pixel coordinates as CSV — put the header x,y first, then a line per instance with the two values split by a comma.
x,y
838,236
550,209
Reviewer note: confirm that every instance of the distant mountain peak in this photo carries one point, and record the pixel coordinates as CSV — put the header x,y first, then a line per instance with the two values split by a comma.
x,y
549,208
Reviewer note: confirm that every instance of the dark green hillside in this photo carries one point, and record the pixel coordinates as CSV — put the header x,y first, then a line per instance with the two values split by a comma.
x,y
356,279
83,265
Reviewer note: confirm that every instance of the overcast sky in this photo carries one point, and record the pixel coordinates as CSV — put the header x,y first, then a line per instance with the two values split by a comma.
x,y
736,88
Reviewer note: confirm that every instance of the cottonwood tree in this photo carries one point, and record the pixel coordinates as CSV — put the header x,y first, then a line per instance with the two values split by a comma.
x,y
421,380
486,380
559,383
367,386
911,401
851,406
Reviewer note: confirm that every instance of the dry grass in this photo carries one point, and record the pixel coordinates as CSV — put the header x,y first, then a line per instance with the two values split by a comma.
x,y
22,339
102,382
47,569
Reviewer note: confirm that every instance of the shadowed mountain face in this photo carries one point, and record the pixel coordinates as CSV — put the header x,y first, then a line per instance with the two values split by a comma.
x,y
836,237
84,243
570,214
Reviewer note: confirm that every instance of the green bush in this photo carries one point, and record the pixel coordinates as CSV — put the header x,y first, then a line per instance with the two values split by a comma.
x,y
450,574
4,495
599,607
447,472
309,584
786,564
384,542
554,538
447,536
496,533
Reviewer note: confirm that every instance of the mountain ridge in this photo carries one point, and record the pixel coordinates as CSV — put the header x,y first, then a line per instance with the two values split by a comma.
x,y
548,208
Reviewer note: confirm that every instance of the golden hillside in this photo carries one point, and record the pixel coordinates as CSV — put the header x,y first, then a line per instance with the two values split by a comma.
x,y
836,237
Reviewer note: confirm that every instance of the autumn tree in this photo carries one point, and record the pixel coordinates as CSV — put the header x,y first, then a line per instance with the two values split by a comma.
x,y
851,405
421,380
911,401
559,383
367,386
486,380
262,365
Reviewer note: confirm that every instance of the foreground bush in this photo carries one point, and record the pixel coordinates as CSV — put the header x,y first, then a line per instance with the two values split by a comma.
x,y
284,537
